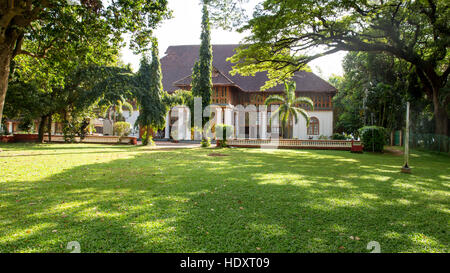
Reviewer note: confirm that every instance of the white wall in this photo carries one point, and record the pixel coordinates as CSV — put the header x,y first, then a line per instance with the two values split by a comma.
x,y
107,127
131,119
300,131
325,125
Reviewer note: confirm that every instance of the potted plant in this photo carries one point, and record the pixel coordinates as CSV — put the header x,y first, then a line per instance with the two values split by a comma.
x,y
122,129
223,132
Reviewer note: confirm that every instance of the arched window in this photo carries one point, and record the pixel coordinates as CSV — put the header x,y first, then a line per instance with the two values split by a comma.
x,y
313,128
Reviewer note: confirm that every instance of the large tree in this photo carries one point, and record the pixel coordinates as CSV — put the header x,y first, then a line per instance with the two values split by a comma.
x,y
34,99
150,95
285,35
373,89
62,77
53,24
202,71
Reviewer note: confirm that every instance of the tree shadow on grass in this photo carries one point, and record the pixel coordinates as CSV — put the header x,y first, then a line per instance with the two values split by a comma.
x,y
64,146
250,201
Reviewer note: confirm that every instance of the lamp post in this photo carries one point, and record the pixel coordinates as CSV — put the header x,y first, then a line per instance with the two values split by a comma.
x,y
406,168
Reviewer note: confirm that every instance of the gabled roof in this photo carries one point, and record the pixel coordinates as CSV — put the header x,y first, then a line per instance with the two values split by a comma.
x,y
177,69
218,78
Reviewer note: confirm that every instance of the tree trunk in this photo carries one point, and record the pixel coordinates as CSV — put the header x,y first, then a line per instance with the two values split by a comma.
x,y
5,63
292,128
49,128
441,123
114,120
147,136
41,129
441,117
433,86
441,120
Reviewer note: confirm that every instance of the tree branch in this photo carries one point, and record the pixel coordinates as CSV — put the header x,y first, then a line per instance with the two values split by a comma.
x,y
18,46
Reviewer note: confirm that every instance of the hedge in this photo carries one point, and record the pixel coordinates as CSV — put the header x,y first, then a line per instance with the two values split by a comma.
x,y
373,138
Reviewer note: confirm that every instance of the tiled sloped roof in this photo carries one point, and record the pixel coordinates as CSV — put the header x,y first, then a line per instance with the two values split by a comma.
x,y
177,67
217,78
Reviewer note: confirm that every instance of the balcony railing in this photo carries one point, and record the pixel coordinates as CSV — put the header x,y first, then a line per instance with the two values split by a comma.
x,y
295,144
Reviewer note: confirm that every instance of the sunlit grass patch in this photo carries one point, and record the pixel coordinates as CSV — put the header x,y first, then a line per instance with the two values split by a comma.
x,y
114,198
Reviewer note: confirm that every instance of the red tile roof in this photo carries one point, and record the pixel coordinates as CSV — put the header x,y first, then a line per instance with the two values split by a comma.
x,y
177,68
218,78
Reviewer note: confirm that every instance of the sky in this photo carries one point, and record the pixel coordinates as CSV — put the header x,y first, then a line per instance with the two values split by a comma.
x,y
184,29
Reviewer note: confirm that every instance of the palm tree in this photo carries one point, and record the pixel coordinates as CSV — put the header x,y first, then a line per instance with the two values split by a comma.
x,y
289,107
117,108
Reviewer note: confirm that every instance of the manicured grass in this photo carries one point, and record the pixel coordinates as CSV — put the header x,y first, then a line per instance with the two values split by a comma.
x,y
134,199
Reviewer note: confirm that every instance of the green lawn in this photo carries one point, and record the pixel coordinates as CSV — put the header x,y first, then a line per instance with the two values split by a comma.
x,y
135,199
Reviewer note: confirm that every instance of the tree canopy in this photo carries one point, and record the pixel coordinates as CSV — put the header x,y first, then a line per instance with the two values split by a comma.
x,y
373,89
39,27
150,94
286,35
63,80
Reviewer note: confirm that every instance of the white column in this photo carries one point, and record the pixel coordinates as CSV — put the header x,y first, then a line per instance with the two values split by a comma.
x,y
265,125
275,122
181,123
296,128
263,121
187,122
227,116
167,129
219,116
236,124
10,127
253,127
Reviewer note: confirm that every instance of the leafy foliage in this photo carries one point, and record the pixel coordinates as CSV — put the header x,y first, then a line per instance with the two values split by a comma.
x,y
223,133
337,136
202,71
286,35
147,141
62,83
80,93
254,57
227,14
122,128
150,93
206,142
180,97
373,138
289,107
52,28
26,124
117,110
374,89
77,127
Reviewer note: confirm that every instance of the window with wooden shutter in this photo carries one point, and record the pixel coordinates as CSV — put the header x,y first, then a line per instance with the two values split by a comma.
x,y
313,128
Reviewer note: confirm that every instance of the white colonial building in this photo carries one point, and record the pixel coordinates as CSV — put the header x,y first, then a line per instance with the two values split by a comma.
x,y
230,91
